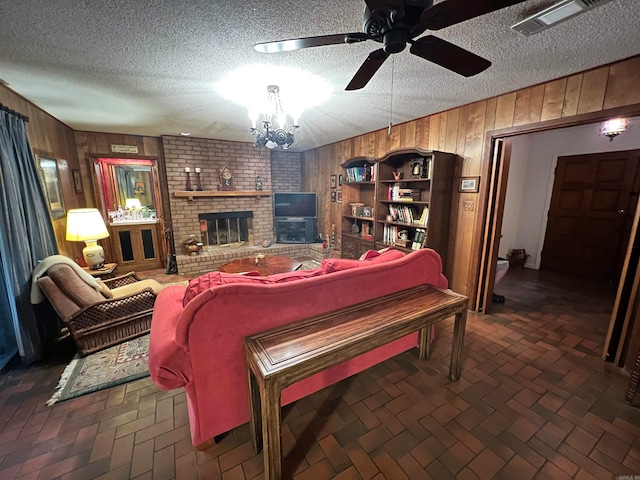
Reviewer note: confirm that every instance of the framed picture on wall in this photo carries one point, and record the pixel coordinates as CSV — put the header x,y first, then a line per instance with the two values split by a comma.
x,y
51,184
77,181
333,196
140,189
469,184
339,196
340,180
333,181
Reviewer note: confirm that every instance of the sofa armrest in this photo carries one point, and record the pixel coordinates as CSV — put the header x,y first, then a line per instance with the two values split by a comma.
x,y
169,364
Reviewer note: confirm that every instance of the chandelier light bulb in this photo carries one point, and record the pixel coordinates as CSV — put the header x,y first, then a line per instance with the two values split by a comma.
x,y
274,132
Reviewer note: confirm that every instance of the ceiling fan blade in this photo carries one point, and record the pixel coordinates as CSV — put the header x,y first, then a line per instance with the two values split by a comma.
x,y
368,69
306,42
450,12
395,5
449,56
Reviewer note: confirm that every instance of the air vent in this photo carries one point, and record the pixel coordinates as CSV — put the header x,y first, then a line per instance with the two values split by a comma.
x,y
557,13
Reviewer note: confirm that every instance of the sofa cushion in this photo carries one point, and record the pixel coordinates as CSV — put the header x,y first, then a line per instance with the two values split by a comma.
x,y
337,264
213,279
295,275
374,253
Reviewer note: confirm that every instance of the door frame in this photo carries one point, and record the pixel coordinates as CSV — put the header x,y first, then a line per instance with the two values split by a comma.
x,y
485,218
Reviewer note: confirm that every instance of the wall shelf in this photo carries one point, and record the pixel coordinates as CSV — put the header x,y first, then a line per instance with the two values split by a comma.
x,y
190,195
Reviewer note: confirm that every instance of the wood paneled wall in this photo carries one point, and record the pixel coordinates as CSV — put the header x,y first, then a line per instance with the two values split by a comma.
x,y
51,138
464,131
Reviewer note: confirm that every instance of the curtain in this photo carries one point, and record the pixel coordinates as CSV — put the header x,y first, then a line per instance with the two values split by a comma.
x,y
126,184
26,231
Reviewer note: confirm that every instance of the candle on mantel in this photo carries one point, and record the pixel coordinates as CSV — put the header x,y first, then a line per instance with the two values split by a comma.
x,y
197,169
187,169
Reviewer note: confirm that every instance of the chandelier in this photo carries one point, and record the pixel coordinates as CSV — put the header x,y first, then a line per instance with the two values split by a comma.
x,y
271,135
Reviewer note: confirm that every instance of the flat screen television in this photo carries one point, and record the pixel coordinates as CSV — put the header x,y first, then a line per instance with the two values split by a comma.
x,y
295,204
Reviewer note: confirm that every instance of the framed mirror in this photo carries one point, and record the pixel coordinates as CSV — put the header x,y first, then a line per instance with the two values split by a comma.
x,y
126,182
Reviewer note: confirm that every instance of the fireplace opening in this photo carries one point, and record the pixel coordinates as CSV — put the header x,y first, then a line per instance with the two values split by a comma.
x,y
226,228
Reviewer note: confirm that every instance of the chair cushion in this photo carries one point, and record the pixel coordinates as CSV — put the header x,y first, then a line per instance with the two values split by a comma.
x,y
70,284
106,291
62,304
136,287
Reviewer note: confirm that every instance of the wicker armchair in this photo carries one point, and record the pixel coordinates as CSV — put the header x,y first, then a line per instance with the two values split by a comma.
x,y
99,319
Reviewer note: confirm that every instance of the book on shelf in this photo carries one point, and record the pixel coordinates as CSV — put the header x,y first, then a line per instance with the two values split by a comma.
x,y
389,234
419,239
401,213
424,217
403,194
359,174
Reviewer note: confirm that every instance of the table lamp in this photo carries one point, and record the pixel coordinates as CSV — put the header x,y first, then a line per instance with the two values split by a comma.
x,y
86,225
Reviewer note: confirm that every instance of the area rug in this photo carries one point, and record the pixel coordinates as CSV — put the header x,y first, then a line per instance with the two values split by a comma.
x,y
107,368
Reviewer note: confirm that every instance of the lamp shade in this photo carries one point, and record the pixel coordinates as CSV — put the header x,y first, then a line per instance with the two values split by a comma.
x,y
85,224
133,203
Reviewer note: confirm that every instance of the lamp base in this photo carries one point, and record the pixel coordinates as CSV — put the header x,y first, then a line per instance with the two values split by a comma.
x,y
93,255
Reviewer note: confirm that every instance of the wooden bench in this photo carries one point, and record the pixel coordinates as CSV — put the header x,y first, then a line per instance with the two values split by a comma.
x,y
282,356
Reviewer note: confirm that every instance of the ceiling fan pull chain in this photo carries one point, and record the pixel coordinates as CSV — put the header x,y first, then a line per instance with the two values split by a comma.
x,y
393,65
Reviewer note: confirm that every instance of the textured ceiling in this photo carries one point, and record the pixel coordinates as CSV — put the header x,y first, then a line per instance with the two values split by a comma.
x,y
149,67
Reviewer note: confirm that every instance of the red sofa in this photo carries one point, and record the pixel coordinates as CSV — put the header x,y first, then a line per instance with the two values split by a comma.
x,y
197,331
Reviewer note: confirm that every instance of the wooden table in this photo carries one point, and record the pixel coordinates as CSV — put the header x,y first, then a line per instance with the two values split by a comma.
x,y
282,356
265,264
105,271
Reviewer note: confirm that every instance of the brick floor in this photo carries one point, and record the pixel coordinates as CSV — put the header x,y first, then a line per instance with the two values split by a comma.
x,y
534,401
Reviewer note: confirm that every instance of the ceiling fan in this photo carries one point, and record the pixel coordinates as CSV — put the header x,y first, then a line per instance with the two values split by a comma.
x,y
394,23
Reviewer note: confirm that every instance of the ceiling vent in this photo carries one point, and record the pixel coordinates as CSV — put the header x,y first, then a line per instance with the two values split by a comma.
x,y
557,13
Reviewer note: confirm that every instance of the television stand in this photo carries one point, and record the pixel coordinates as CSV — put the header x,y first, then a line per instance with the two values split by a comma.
x,y
296,230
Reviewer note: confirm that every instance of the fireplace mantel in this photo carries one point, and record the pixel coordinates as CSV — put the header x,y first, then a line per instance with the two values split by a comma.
x,y
221,193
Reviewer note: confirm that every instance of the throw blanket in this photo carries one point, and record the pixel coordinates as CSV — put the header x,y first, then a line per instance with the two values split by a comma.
x,y
36,294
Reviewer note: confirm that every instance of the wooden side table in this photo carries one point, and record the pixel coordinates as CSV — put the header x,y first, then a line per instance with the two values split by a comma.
x,y
284,355
107,271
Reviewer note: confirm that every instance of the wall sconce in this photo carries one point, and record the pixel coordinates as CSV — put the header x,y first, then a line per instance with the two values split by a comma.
x,y
614,127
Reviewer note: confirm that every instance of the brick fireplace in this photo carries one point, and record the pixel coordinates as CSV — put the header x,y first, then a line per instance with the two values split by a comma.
x,y
228,228
279,171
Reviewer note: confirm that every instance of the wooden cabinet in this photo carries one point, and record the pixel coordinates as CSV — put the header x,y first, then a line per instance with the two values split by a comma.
x,y
136,246
403,199
358,206
415,190
353,246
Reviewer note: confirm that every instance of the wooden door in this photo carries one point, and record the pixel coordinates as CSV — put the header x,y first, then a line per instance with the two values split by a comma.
x,y
588,215
493,224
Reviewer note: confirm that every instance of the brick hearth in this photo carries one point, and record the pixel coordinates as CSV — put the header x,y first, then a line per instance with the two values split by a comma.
x,y
215,257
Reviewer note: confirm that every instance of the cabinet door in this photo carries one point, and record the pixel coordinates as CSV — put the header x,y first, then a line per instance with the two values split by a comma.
x,y
363,247
349,247
136,247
